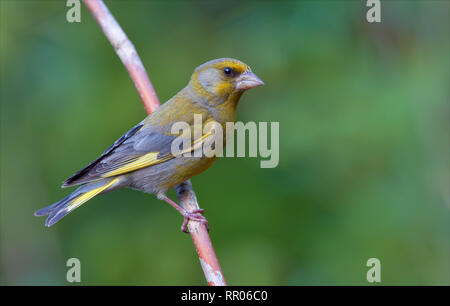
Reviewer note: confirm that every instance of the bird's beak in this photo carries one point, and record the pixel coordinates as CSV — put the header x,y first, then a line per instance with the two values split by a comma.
x,y
248,80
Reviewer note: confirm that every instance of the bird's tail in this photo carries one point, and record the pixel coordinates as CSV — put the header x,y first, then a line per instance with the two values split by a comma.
x,y
83,194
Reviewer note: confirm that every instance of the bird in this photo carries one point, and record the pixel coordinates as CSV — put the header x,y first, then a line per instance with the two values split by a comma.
x,y
142,158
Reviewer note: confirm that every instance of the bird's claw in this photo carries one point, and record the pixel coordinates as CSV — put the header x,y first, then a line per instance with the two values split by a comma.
x,y
195,215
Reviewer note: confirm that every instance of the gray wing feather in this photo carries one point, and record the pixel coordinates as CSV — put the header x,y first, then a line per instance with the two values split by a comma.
x,y
133,144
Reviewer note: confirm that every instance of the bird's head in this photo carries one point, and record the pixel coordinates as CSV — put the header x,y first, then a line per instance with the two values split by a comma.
x,y
223,77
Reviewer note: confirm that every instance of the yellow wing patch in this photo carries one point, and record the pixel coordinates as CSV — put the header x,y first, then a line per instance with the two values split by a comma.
x,y
141,162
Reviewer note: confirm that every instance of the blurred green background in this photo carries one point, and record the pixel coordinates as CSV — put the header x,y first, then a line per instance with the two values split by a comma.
x,y
364,143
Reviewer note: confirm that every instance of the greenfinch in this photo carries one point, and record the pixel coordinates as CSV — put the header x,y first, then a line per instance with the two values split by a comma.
x,y
142,159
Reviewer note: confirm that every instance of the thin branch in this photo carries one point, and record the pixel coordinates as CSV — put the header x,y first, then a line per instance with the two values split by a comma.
x,y
200,237
127,53
185,193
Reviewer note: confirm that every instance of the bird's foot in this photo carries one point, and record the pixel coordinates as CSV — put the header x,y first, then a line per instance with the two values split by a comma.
x,y
195,215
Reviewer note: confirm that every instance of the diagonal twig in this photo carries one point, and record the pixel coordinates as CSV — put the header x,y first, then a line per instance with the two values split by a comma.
x,y
185,193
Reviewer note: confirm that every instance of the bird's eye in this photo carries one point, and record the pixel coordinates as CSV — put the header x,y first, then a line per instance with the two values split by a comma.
x,y
227,70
